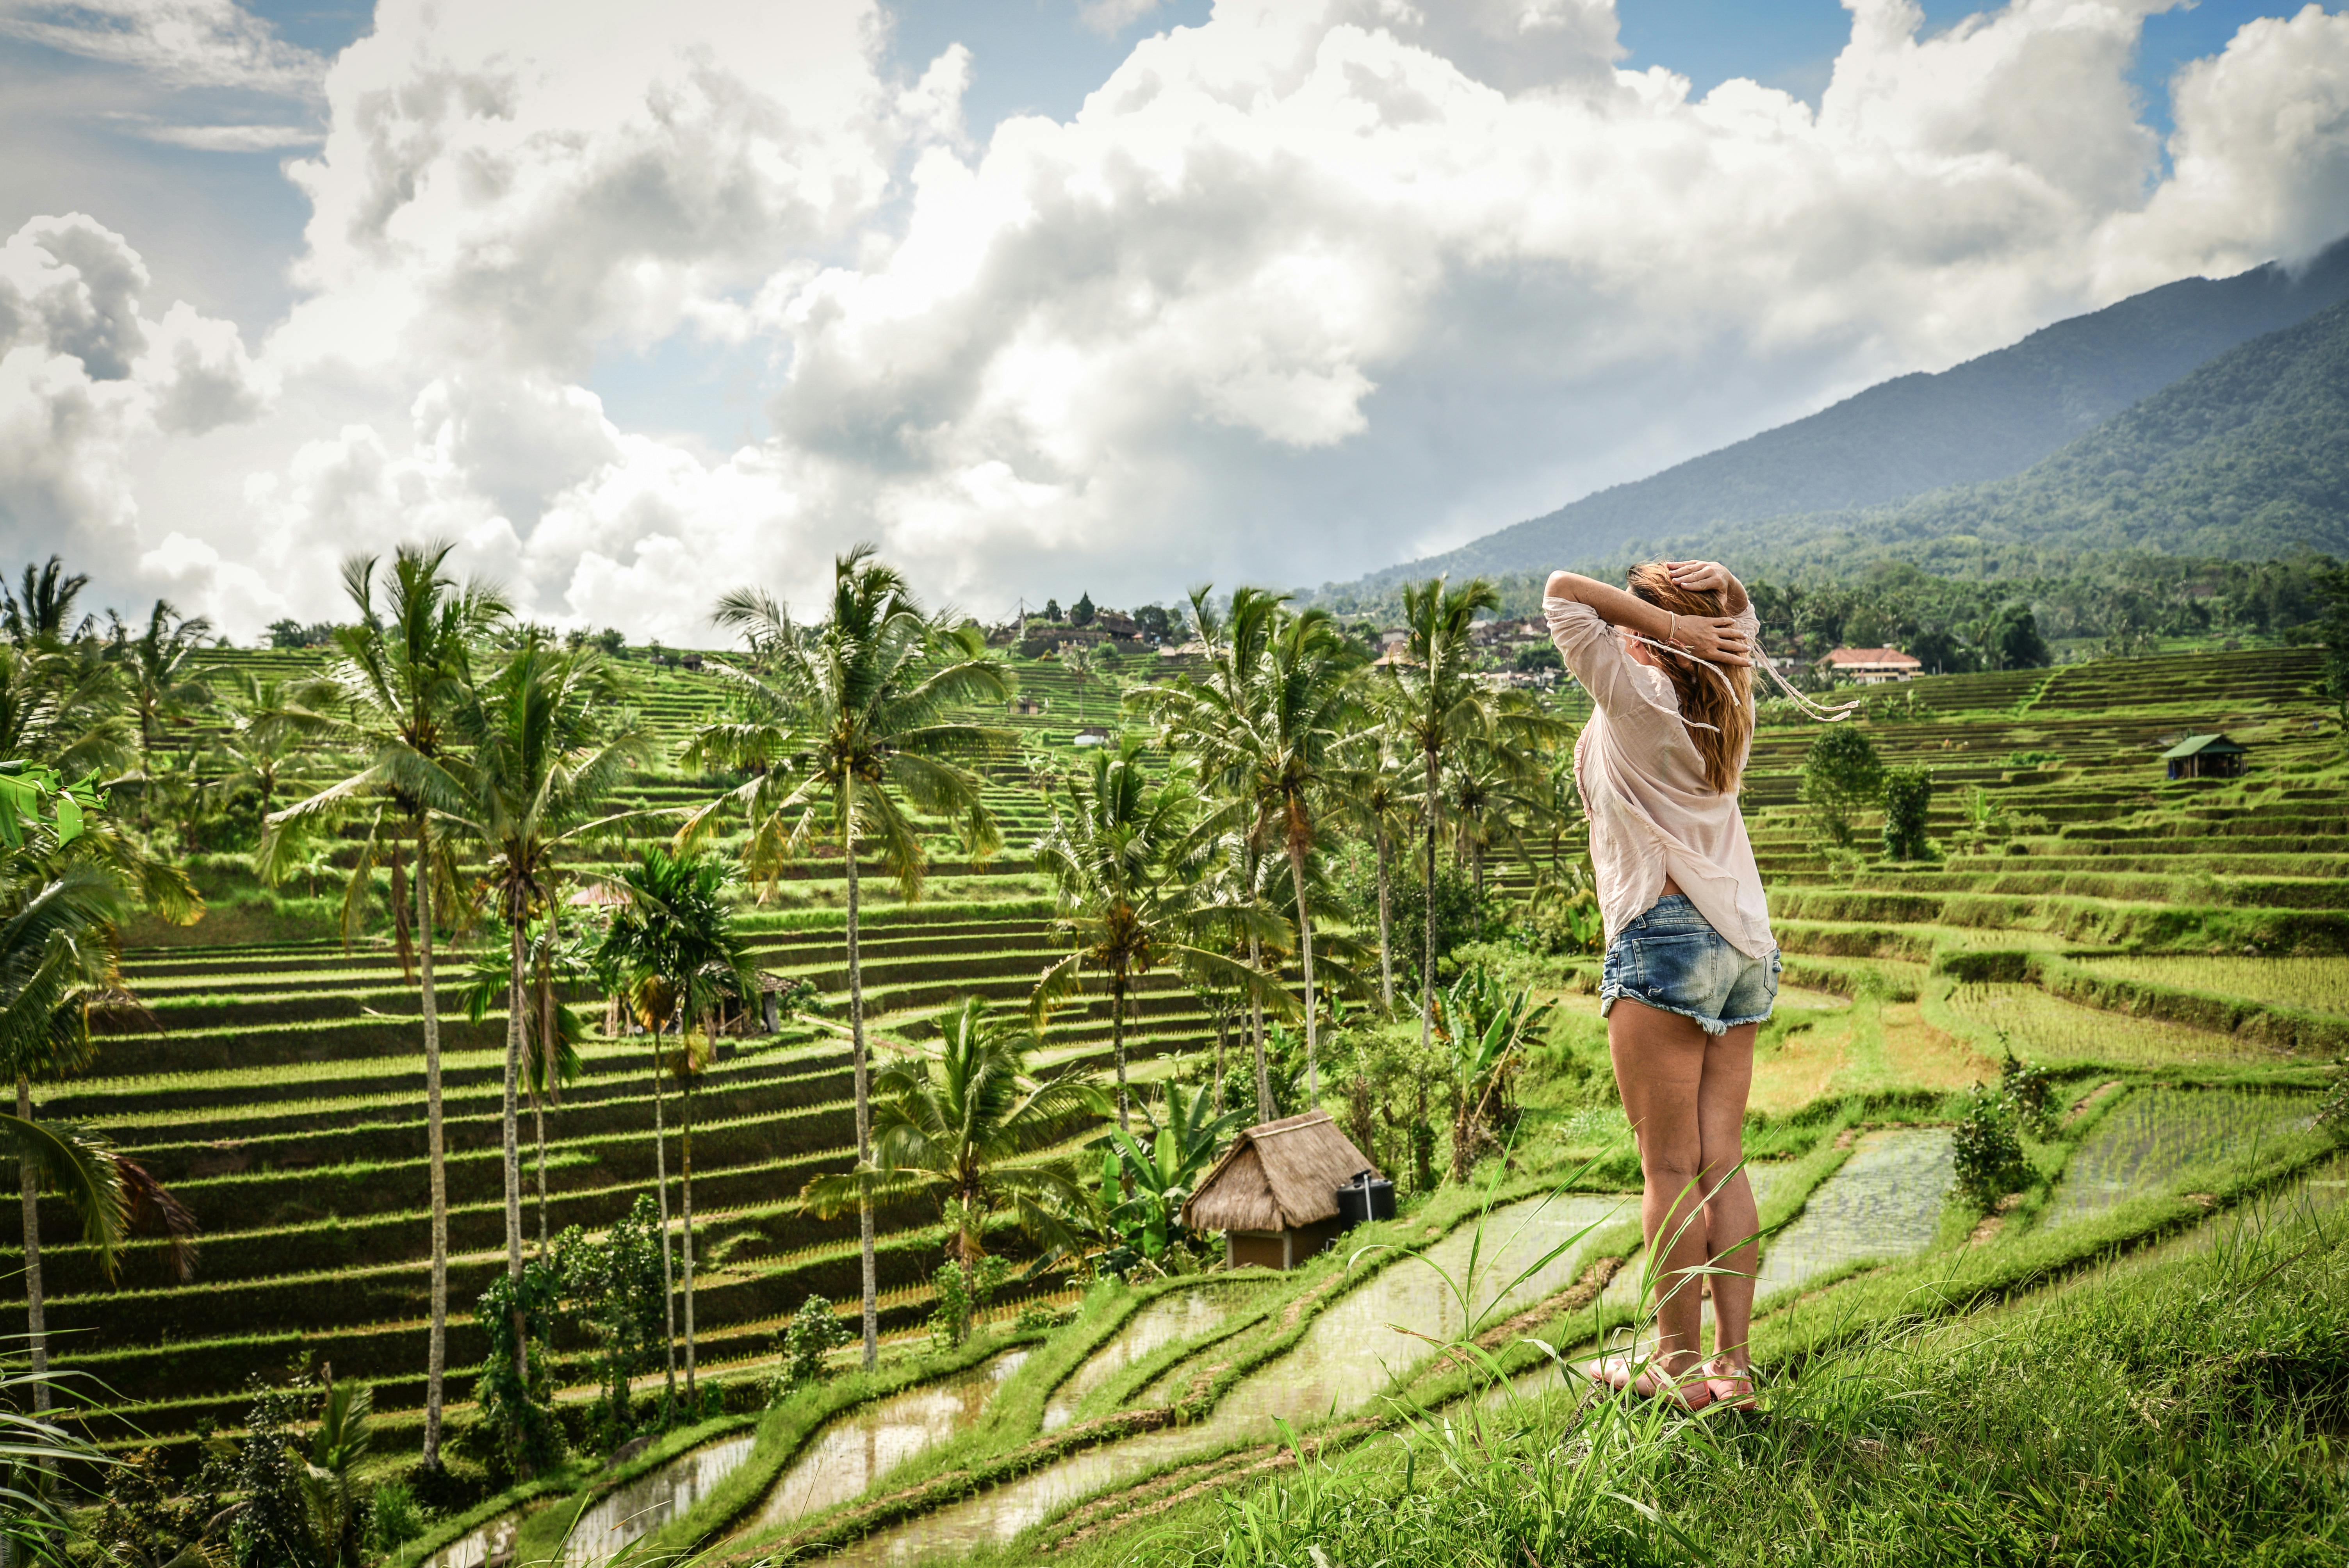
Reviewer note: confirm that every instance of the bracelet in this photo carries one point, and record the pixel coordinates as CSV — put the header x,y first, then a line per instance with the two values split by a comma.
x,y
1672,636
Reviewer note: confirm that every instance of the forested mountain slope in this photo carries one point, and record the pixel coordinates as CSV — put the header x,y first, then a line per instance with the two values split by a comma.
x,y
2246,459
1984,420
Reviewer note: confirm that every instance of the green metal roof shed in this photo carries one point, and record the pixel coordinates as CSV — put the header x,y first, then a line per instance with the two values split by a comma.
x,y
2205,757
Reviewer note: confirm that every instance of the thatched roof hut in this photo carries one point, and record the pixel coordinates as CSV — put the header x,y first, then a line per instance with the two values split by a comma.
x,y
1274,1194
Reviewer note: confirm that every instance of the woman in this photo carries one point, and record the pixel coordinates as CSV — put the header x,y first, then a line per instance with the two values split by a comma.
x,y
1691,969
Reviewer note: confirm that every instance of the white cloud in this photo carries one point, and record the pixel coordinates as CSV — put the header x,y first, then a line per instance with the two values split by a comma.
x,y
1297,292
180,43
241,137
86,381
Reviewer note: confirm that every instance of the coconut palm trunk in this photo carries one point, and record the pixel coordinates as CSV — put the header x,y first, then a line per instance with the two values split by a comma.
x,y
36,1328
660,1180
871,1303
510,1129
1117,1039
685,1237
436,1353
1305,953
1256,1032
1427,888
1386,927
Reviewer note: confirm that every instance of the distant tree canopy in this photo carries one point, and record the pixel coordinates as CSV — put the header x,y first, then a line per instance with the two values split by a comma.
x,y
1081,613
1052,610
290,634
1157,622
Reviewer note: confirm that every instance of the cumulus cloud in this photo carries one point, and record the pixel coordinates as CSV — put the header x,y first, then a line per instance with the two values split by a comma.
x,y
86,380
1311,287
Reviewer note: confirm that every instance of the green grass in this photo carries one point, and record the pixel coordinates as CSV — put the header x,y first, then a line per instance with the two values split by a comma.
x,y
2184,1411
2317,983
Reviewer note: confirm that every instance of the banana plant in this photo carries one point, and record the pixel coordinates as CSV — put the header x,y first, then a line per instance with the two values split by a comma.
x,y
1144,1186
1484,1027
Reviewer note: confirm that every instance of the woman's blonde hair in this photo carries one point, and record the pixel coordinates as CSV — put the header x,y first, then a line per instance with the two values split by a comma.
x,y
1705,697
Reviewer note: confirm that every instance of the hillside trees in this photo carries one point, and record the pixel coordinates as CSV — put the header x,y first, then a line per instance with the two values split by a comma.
x,y
844,725
542,749
674,946
1113,852
952,1122
1265,737
403,667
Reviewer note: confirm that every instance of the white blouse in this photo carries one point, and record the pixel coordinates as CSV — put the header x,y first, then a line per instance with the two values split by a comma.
x,y
1653,813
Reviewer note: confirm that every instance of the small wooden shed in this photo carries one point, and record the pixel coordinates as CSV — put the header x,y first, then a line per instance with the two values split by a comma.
x,y
2205,757
1274,1194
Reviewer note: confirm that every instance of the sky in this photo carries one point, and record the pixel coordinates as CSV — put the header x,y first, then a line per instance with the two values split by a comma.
x,y
640,304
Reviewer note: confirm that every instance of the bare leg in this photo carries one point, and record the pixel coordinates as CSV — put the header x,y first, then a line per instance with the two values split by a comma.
x,y
1731,1219
1660,1067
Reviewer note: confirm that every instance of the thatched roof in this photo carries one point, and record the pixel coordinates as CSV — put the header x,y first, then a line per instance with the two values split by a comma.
x,y
1277,1176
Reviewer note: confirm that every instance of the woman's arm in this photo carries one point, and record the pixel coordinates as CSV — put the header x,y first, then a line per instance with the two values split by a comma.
x,y
1715,638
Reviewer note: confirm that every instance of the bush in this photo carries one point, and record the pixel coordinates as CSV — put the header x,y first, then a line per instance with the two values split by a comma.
x,y
1908,801
1841,773
806,1345
2029,1093
2333,1110
395,1517
1989,1151
516,1436
962,1294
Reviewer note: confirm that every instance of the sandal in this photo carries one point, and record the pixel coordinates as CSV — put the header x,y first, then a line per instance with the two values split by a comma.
x,y
1730,1389
1649,1381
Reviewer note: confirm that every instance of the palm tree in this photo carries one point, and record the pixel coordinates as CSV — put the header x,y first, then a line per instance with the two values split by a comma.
x,y
1435,708
402,671
953,1122
167,679
270,721
551,1030
1264,732
45,610
61,908
843,726
1376,797
674,945
1111,852
545,746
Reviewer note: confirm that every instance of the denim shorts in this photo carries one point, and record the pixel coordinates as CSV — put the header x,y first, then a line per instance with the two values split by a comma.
x,y
1671,959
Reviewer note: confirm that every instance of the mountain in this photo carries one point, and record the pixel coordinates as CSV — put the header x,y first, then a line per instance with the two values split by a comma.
x,y
1984,420
2245,459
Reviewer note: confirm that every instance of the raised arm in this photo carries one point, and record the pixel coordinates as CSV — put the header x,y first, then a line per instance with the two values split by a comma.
x,y
1715,638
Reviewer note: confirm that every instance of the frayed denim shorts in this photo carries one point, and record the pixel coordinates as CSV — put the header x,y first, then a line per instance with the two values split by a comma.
x,y
1671,959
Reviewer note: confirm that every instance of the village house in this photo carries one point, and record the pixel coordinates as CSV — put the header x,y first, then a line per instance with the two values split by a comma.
x,y
1870,666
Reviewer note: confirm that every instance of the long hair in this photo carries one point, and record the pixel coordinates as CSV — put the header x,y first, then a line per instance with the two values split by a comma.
x,y
1704,697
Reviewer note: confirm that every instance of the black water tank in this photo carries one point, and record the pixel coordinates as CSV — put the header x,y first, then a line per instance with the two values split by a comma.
x,y
1369,1196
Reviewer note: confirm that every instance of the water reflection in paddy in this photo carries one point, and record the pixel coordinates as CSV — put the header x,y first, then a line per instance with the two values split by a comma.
x,y
1885,1202
1344,1359
1183,1315
2157,1132
853,1452
484,1545
630,1512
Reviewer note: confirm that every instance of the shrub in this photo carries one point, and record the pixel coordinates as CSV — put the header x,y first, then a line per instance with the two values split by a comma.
x,y
1907,801
1841,773
2028,1091
516,1436
1988,1150
2333,1110
962,1293
395,1517
806,1345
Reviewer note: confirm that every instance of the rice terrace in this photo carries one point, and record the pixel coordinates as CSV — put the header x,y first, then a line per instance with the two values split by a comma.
x,y
1174,783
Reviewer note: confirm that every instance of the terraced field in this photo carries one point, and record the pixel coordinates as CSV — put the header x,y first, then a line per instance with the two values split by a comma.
x,y
2118,928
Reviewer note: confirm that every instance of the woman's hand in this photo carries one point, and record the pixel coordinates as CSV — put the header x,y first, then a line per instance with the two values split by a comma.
x,y
1700,576
1716,639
